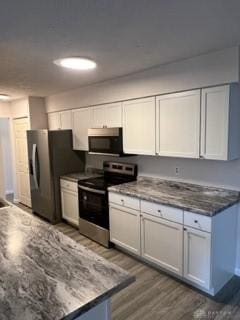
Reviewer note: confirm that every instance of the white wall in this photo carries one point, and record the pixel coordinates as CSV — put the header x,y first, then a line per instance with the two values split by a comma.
x,y
6,157
4,109
19,108
206,70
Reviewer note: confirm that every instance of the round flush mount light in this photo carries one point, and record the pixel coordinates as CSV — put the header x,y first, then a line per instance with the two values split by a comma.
x,y
4,97
76,63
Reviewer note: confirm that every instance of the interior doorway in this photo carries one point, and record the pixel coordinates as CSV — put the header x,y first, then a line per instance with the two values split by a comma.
x,y
6,164
20,127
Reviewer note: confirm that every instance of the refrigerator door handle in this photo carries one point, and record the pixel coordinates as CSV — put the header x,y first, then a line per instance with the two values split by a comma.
x,y
34,157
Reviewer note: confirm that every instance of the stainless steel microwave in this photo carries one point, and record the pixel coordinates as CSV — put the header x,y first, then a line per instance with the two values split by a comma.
x,y
106,141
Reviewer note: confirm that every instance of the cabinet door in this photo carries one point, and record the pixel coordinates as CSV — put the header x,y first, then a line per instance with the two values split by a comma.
x,y
113,115
162,243
70,206
109,115
125,228
197,250
214,124
139,126
178,124
66,119
81,124
98,117
54,122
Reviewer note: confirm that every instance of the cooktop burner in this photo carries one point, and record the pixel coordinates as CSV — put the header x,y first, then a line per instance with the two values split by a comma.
x,y
114,173
102,183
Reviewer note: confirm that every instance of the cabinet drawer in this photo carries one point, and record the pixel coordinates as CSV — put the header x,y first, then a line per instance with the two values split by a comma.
x,y
197,221
162,211
66,184
124,201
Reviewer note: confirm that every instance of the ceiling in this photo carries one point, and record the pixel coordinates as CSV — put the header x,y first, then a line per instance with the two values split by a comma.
x,y
123,36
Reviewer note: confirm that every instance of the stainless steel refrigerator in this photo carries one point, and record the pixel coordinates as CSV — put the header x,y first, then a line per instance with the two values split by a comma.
x,y
50,156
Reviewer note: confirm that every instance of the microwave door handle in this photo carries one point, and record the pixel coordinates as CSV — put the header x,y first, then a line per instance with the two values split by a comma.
x,y
92,190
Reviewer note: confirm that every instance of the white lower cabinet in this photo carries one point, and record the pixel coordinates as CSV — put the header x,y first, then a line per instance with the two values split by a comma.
x,y
197,256
69,199
125,228
162,242
200,250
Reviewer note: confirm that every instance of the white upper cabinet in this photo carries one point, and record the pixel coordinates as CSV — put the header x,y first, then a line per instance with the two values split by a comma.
x,y
139,126
66,119
98,117
113,115
220,125
178,124
109,115
54,122
60,120
81,119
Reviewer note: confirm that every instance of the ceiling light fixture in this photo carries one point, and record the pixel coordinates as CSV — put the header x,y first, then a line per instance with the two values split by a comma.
x,y
76,63
4,97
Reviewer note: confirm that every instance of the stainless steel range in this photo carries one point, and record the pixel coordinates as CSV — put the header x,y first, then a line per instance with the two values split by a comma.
x,y
93,199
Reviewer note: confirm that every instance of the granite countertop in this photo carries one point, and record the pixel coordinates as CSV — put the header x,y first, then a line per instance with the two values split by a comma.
x,y
45,275
195,198
75,177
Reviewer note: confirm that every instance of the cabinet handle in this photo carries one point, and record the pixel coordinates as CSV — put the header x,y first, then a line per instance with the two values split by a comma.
x,y
185,229
159,211
122,201
196,221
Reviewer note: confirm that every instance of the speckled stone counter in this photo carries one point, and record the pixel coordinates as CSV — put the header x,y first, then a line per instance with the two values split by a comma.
x,y
75,177
45,275
195,198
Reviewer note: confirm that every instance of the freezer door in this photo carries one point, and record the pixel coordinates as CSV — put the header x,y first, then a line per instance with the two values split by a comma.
x,y
42,193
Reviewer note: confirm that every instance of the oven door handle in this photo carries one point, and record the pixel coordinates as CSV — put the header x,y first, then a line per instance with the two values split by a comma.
x,y
92,190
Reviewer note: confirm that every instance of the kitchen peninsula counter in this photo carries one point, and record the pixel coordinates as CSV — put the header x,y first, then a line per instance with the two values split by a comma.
x,y
45,275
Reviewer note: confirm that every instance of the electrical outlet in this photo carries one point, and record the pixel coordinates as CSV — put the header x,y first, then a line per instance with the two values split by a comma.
x,y
177,171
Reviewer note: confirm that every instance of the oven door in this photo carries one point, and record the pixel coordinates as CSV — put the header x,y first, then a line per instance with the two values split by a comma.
x,y
93,206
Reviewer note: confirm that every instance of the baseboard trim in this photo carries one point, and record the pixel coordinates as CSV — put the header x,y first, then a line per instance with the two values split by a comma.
x,y
237,272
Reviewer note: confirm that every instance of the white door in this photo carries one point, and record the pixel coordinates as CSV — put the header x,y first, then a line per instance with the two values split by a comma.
x,y
162,243
178,124
22,169
139,126
70,206
81,120
125,228
214,124
54,121
66,119
197,251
